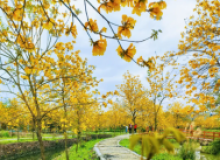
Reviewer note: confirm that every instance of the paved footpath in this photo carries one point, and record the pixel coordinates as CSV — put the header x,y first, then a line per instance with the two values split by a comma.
x,y
109,149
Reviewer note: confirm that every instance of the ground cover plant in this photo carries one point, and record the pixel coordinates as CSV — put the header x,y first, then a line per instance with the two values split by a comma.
x,y
163,155
85,151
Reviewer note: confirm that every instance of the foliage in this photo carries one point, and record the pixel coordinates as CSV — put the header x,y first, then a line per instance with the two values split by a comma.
x,y
84,152
151,144
159,156
187,151
214,148
4,134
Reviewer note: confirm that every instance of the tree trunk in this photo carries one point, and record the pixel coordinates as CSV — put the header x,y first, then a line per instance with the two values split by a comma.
x,y
18,136
66,146
78,141
133,125
34,129
39,137
155,122
65,134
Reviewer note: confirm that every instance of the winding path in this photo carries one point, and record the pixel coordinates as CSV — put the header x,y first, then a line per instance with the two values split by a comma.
x,y
109,149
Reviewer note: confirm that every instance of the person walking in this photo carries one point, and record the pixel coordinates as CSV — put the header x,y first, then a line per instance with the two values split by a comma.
x,y
126,129
135,128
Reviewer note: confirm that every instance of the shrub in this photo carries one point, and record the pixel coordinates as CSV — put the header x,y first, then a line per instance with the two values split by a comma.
x,y
214,148
172,140
4,134
98,136
187,151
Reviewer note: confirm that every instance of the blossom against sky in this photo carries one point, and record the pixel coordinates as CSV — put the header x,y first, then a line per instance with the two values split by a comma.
x,y
111,67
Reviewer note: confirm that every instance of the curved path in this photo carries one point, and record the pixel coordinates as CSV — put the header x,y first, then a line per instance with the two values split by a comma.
x,y
109,149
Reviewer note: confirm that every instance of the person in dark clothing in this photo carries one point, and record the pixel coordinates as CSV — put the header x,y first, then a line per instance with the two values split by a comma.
x,y
130,128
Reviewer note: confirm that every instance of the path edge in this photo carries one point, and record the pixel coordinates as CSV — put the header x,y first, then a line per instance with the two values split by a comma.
x,y
129,149
101,157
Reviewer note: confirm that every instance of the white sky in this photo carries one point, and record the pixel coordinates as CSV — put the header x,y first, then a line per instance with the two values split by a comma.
x,y
111,67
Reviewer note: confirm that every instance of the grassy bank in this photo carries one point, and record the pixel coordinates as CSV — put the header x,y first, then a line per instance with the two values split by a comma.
x,y
161,156
6,137
8,141
85,151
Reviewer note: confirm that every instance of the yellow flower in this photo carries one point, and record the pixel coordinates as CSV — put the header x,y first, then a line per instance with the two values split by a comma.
x,y
72,30
59,46
103,30
129,3
110,6
140,6
17,14
69,46
105,104
150,63
128,54
99,47
162,4
140,60
106,7
155,9
110,101
29,46
92,24
48,25
116,92
127,24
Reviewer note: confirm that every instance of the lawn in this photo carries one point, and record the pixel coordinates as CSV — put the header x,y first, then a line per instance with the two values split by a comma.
x,y
161,156
85,152
211,130
7,138
5,141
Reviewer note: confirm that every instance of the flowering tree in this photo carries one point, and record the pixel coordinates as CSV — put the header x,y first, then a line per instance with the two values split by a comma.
x,y
29,64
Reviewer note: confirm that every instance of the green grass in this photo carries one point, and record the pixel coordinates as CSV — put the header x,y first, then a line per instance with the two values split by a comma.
x,y
7,139
211,130
111,133
8,134
161,156
27,140
85,152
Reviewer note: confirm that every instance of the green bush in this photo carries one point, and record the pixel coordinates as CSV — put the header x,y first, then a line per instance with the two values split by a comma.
x,y
214,148
4,134
172,140
187,151
166,156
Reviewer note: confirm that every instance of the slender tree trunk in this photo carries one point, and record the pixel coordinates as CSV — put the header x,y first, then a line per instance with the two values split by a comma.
x,y
39,137
65,134
34,129
18,136
133,125
142,148
155,122
77,144
78,141
66,147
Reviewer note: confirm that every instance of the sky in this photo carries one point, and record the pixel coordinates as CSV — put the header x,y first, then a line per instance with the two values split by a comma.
x,y
111,67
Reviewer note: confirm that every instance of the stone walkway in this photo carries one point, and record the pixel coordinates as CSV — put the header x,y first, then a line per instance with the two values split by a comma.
x,y
109,149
